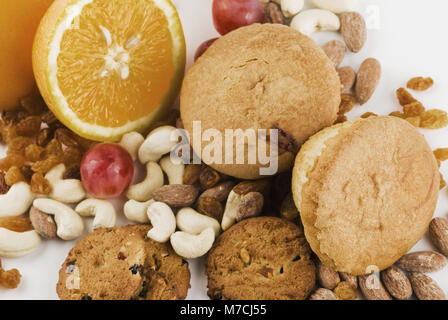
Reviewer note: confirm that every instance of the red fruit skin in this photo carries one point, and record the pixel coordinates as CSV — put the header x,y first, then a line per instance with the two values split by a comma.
x,y
203,47
106,170
229,15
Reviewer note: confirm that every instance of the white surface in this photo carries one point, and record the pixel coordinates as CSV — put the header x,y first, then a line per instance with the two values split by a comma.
x,y
407,43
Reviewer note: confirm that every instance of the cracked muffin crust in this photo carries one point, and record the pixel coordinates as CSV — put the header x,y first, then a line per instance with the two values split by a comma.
x,y
121,263
366,191
261,77
264,258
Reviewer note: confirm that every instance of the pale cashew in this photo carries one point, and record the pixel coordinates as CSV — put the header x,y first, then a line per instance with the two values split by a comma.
x,y
137,211
173,169
102,210
310,21
192,246
291,7
131,142
231,209
336,6
154,180
17,201
64,190
163,222
193,222
158,143
17,244
70,224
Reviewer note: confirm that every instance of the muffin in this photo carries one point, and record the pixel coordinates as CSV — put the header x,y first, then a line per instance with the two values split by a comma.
x,y
259,77
366,191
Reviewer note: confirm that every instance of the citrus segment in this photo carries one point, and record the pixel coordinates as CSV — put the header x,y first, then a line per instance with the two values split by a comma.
x,y
107,67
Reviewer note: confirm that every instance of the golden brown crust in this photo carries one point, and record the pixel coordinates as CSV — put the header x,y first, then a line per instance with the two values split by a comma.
x,y
120,264
262,258
261,77
370,196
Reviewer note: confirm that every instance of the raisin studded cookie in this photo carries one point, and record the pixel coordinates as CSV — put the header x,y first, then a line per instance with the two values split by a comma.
x,y
264,258
366,191
121,263
263,76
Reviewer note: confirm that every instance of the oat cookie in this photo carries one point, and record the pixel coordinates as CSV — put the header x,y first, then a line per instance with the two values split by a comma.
x,y
261,258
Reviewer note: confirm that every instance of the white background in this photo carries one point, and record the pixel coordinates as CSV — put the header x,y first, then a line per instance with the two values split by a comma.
x,y
407,36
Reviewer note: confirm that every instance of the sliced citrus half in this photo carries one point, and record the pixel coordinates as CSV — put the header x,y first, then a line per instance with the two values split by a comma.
x,y
107,67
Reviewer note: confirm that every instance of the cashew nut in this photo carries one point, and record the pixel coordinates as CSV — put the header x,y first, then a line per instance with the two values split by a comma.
x,y
336,6
163,222
64,190
131,142
102,210
193,222
159,142
70,224
137,211
154,179
231,209
17,244
17,201
291,7
192,246
173,169
310,21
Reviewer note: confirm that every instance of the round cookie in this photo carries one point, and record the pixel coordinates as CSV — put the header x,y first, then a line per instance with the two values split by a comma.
x,y
366,191
121,263
264,258
264,76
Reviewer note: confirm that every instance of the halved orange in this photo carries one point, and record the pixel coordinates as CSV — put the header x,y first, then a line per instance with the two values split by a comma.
x,y
107,67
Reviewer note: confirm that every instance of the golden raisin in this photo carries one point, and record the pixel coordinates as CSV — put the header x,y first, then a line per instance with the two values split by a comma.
x,y
434,119
10,279
11,160
33,152
420,83
404,97
33,104
54,148
16,224
345,291
44,137
46,165
29,127
72,155
39,184
8,133
397,114
441,154
18,145
442,182
13,176
368,114
348,101
415,121
9,117
414,109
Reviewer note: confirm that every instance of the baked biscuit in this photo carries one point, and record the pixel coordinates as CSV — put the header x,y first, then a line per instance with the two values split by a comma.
x,y
262,258
265,76
366,191
120,264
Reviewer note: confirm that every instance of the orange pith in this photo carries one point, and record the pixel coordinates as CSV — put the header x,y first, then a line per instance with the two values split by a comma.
x,y
115,63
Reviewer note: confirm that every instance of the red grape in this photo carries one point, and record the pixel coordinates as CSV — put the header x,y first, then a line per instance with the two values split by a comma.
x,y
106,170
229,15
203,47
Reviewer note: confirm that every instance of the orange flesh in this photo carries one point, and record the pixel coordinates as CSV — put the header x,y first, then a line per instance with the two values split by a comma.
x,y
92,72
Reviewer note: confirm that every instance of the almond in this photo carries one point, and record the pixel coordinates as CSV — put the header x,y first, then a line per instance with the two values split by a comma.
x,y
273,13
368,78
335,50
323,294
43,223
353,30
327,277
372,288
176,195
422,261
347,76
425,288
352,280
438,232
397,283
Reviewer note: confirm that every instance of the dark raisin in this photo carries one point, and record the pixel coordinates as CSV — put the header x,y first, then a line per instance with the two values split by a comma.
x,y
9,117
209,178
44,137
121,256
49,118
27,172
73,172
86,298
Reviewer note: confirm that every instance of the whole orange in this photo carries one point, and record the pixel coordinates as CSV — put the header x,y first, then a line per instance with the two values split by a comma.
x,y
19,20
